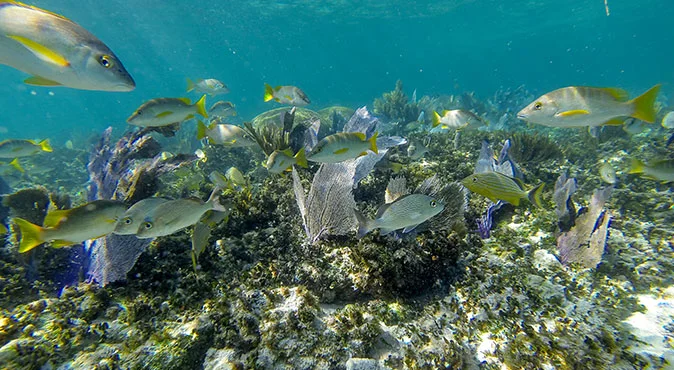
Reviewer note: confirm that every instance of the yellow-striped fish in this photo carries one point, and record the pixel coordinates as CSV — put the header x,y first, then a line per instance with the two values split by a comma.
x,y
291,95
224,134
497,186
167,111
457,119
56,51
15,148
342,146
280,161
662,170
580,106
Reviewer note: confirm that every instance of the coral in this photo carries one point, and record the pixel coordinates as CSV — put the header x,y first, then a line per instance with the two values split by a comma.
x,y
535,148
395,106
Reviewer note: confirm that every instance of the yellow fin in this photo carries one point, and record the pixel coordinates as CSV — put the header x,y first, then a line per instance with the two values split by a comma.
x,y
163,114
644,105
54,218
618,94
190,85
45,146
40,81
201,130
268,93
636,166
301,159
60,243
373,143
571,113
436,119
15,163
41,51
3,229
31,235
341,151
201,106
360,135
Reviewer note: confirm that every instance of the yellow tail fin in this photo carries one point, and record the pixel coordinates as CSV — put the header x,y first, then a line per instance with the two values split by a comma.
x,y
190,85
45,146
31,235
201,129
301,159
644,105
636,166
201,106
436,119
268,92
16,165
373,143
534,195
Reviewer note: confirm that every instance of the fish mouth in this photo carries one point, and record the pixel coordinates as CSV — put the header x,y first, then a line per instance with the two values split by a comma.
x,y
521,115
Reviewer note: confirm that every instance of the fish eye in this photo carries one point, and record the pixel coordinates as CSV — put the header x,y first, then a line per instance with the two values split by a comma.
x,y
538,105
127,220
147,225
105,61
434,203
474,179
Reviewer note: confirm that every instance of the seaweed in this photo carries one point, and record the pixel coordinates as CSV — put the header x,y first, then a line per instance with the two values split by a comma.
x,y
528,148
395,106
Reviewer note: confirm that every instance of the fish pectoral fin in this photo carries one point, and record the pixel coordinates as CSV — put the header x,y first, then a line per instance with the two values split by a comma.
x,y
410,228
59,243
571,113
42,52
163,114
40,81
341,151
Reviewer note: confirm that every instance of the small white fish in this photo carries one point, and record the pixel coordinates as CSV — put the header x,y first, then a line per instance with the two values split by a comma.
x,y
457,119
167,111
56,51
416,149
635,126
342,146
290,95
668,120
280,161
224,134
208,86
406,213
223,109
607,173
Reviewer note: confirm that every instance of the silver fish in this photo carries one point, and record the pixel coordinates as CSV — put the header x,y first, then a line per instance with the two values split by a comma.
x,y
134,216
406,213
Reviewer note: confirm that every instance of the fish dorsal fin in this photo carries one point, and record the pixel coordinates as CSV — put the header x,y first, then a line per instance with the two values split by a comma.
x,y
519,182
17,3
618,94
163,114
186,101
54,218
40,81
360,135
573,112
288,152
42,52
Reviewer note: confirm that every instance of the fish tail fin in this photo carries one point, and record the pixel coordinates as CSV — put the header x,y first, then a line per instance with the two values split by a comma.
x,y
15,163
201,129
534,195
636,166
644,105
45,146
373,143
436,119
31,235
301,158
190,85
363,224
201,106
268,92
214,200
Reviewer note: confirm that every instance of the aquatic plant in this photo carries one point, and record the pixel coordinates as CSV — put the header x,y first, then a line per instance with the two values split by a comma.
x,y
271,137
584,243
527,148
395,106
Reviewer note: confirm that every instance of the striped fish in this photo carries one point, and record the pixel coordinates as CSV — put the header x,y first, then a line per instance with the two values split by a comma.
x,y
406,213
497,186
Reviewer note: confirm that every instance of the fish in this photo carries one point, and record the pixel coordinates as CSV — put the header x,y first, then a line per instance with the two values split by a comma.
x,y
56,51
634,126
607,173
130,221
497,186
167,111
200,236
416,149
71,226
342,146
15,148
280,161
581,106
406,213
661,170
290,95
668,120
15,164
222,109
208,86
457,119
225,134
232,179
175,215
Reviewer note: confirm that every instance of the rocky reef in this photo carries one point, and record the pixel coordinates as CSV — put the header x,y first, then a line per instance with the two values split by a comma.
x,y
263,297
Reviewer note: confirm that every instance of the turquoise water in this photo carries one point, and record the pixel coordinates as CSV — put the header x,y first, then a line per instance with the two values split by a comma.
x,y
347,52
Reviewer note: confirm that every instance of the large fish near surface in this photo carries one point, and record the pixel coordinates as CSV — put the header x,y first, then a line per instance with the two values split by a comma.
x,y
71,226
406,213
580,106
56,51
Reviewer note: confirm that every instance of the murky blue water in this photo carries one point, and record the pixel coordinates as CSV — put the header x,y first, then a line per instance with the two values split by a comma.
x,y
346,52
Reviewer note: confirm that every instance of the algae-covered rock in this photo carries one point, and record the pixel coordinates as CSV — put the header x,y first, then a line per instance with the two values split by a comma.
x,y
333,119
303,116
